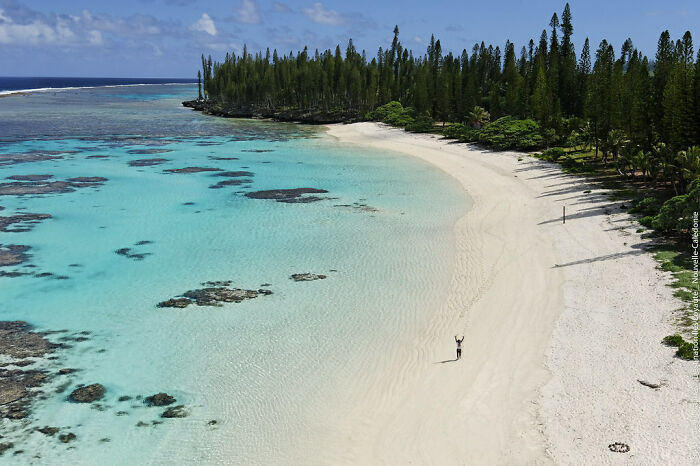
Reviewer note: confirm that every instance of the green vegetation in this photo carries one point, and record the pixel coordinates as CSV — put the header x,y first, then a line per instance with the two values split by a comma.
x,y
680,265
510,133
674,340
686,350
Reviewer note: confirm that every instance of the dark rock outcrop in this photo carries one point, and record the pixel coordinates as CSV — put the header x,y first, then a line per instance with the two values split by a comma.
x,y
13,254
234,174
24,222
18,386
192,170
291,196
87,394
148,151
127,252
212,296
22,188
50,431
175,302
31,156
214,157
69,437
159,399
29,177
307,277
18,341
146,162
233,182
87,179
175,411
11,391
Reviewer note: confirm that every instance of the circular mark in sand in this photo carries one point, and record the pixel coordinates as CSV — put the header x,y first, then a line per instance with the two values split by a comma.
x,y
619,447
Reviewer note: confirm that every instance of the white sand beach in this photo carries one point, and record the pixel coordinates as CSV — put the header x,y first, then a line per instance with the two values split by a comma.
x,y
560,323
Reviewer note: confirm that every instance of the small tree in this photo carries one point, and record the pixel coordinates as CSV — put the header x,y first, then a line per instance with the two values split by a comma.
x,y
478,117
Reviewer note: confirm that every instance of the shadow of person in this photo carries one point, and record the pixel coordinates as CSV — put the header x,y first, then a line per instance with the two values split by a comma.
x,y
446,360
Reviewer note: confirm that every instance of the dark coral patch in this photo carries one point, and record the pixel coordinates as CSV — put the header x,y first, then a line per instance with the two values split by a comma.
x,y
234,174
32,156
192,170
29,177
291,196
148,151
146,162
18,386
24,222
221,184
21,188
159,399
87,394
212,296
13,254
127,252
87,179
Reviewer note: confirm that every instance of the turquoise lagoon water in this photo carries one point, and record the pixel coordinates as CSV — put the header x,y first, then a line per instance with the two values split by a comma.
x,y
264,369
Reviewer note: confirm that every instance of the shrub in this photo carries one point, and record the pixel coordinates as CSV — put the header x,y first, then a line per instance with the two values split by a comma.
x,y
461,132
647,206
646,221
393,114
674,340
510,133
381,113
454,131
676,214
398,119
422,124
553,154
686,351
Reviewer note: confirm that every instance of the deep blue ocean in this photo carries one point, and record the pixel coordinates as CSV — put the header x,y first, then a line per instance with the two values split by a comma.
x,y
143,200
12,83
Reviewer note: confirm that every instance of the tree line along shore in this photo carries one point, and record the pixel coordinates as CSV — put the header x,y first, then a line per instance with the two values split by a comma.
x,y
632,122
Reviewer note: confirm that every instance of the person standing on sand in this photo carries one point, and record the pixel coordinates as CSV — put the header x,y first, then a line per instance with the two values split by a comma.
x,y
459,346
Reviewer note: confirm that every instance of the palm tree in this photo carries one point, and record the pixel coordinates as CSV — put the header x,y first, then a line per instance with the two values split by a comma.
x,y
478,117
615,141
688,166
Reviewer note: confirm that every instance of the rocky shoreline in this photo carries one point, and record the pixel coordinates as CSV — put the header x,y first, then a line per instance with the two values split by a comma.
x,y
312,116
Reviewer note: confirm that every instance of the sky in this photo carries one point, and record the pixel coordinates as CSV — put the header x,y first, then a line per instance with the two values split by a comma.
x,y
165,38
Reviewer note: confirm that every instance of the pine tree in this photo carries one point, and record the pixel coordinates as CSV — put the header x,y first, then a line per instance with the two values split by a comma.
x,y
678,107
541,103
512,82
662,68
567,71
582,77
